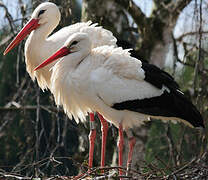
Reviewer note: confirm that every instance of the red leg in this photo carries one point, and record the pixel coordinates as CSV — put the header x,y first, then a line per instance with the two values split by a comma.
x,y
120,148
132,142
104,130
92,136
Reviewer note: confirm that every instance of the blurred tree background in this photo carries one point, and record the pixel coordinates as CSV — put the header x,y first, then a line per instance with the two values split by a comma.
x,y
38,139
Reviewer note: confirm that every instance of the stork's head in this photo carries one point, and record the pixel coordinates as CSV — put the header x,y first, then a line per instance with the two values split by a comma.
x,y
45,13
78,43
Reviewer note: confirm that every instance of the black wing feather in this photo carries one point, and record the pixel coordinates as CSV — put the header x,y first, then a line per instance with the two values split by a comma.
x,y
169,104
158,77
173,104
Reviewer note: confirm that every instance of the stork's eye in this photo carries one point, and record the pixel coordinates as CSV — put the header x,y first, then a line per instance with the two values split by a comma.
x,y
41,12
74,43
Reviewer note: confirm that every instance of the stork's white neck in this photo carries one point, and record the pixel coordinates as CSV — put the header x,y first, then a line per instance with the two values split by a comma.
x,y
37,49
44,30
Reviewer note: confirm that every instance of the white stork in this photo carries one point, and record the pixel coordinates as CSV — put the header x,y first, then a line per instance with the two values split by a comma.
x,y
40,46
126,91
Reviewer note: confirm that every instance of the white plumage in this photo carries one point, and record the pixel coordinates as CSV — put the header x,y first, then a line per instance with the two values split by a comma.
x,y
122,88
94,79
40,45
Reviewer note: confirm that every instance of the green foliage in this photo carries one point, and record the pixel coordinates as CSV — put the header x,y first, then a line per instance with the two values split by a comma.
x,y
171,145
187,77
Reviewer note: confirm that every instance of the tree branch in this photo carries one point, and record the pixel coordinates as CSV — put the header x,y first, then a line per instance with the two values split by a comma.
x,y
136,13
171,10
180,38
8,16
179,6
50,109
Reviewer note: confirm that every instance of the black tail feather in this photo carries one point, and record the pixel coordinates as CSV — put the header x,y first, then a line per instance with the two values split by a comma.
x,y
169,104
187,110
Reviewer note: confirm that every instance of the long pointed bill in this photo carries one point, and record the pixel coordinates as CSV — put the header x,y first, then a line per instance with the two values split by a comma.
x,y
27,29
60,53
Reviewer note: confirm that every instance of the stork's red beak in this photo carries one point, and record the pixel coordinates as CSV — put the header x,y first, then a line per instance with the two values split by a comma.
x,y
60,53
27,29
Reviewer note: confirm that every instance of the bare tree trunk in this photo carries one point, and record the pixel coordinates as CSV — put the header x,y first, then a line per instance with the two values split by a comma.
x,y
161,48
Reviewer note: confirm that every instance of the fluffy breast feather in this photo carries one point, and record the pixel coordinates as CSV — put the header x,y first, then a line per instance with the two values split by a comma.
x,y
68,92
